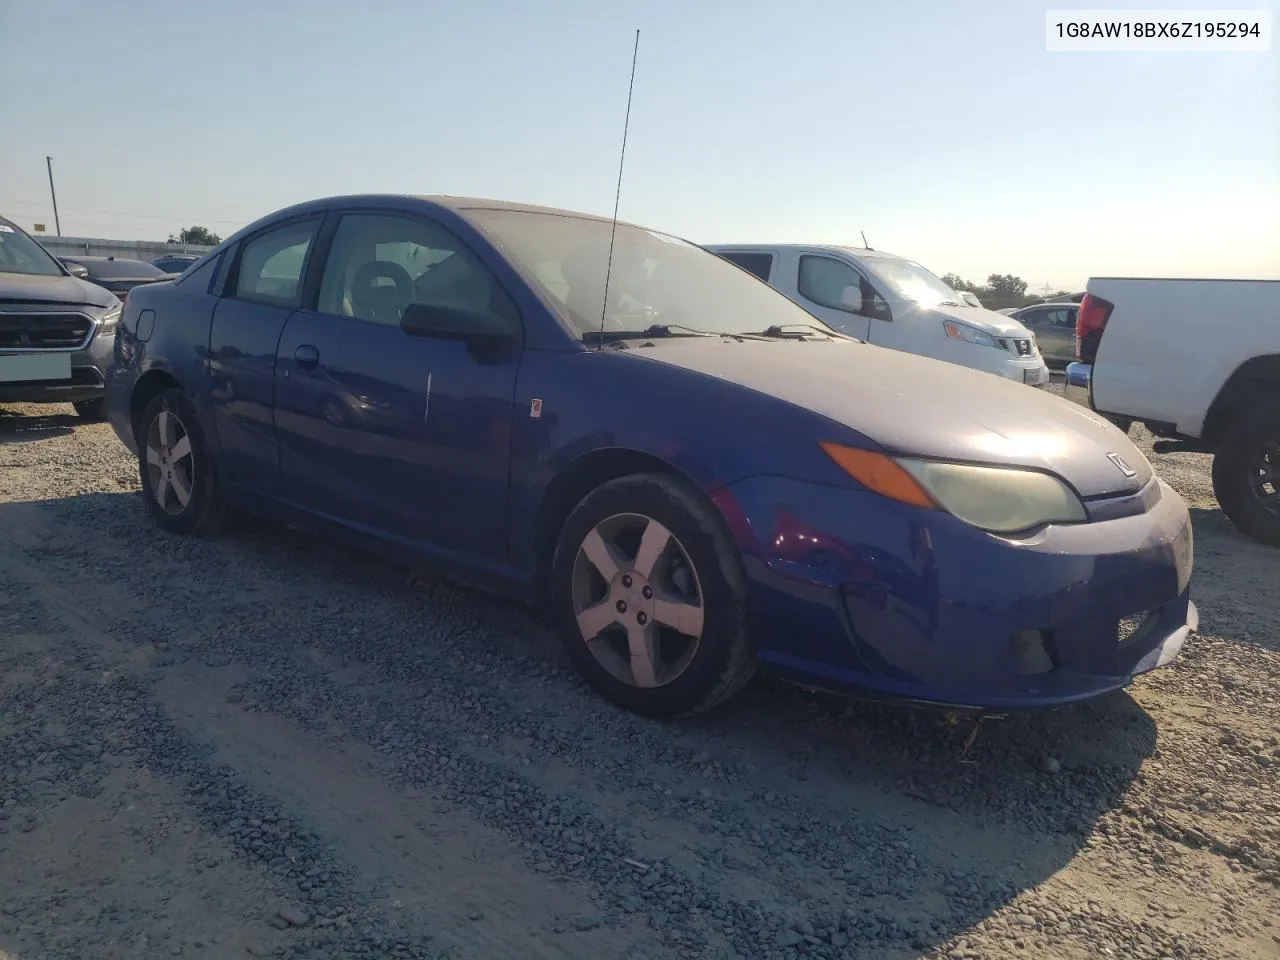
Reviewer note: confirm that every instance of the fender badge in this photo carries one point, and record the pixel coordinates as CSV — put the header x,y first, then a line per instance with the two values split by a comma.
x,y
535,409
1123,467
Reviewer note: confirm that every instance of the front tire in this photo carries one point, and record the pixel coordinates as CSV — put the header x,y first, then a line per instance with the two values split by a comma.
x,y
91,409
179,476
650,597
1246,476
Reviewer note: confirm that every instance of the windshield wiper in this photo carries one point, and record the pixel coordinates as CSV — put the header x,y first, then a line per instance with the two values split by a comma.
x,y
780,330
657,331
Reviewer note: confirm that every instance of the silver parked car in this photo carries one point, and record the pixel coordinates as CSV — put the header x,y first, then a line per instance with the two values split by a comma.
x,y
1054,326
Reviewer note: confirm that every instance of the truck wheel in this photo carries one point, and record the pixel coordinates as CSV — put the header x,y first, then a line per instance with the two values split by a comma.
x,y
649,592
1246,476
179,476
90,409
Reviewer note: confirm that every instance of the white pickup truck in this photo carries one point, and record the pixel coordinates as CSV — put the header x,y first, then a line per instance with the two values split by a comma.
x,y
1197,362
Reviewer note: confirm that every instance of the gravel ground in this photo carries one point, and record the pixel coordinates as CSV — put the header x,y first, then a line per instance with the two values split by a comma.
x,y
263,745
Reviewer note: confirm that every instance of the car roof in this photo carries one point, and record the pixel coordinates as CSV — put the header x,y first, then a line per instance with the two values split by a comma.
x,y
427,203
460,205
862,252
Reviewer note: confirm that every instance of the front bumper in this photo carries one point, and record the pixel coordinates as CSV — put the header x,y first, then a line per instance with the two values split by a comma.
x,y
1031,370
88,377
1079,383
851,592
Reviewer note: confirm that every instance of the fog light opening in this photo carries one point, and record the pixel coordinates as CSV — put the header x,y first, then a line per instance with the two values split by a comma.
x,y
1131,630
1029,653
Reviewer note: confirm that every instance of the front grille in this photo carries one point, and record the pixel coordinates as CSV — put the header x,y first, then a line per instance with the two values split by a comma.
x,y
43,331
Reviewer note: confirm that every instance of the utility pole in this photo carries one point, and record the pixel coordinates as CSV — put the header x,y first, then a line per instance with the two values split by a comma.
x,y
48,161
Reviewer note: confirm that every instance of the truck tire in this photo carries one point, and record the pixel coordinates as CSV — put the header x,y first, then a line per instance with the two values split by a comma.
x,y
1246,475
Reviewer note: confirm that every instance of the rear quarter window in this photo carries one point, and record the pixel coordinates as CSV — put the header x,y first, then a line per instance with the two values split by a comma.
x,y
759,264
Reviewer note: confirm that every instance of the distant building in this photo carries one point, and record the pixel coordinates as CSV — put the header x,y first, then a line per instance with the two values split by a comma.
x,y
147,250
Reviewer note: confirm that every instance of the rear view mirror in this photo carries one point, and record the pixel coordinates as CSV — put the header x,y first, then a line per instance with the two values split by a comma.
x,y
78,270
453,323
851,297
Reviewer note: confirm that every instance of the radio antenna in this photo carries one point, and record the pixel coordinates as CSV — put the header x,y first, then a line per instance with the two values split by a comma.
x,y
865,245
617,197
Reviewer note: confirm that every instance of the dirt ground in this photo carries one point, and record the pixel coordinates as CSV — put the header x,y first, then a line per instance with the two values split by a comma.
x,y
262,745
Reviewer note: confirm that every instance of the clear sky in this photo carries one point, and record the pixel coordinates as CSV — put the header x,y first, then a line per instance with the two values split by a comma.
x,y
941,128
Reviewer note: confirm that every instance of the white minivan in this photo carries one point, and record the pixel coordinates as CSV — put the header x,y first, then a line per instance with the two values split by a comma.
x,y
893,302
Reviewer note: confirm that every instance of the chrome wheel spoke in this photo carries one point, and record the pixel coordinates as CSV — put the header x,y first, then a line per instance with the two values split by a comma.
x,y
153,456
593,620
162,492
678,614
642,644
603,556
165,428
179,485
181,449
653,542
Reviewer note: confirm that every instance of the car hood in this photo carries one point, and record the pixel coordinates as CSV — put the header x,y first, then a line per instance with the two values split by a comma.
x,y
59,291
924,407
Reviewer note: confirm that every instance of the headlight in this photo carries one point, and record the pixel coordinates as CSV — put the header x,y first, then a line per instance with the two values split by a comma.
x,y
109,319
998,499
962,331
995,499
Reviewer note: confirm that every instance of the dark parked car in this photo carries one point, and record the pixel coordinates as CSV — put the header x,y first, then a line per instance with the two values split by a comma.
x,y
56,330
175,263
120,275
698,475
1054,325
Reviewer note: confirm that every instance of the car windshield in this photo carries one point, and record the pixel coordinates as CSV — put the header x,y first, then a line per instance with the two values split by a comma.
x,y
655,279
912,282
20,254
120,269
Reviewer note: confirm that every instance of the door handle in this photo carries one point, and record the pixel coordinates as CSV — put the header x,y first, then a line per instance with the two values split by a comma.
x,y
307,356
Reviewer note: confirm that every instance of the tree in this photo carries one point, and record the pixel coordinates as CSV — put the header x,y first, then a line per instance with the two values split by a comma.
x,y
961,286
1007,287
198,236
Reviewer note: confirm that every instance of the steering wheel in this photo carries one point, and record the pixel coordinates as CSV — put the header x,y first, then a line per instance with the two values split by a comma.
x,y
375,301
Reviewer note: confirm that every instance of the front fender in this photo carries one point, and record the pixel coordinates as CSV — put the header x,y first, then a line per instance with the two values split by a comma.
x,y
713,432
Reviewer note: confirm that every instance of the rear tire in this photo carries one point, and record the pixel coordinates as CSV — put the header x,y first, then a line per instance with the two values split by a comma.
x,y
91,409
653,563
179,475
1246,476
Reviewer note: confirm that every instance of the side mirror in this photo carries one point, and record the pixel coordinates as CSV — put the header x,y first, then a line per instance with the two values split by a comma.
x,y
78,270
851,297
453,323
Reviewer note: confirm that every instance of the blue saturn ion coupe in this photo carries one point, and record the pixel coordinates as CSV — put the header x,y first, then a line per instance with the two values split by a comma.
x,y
698,476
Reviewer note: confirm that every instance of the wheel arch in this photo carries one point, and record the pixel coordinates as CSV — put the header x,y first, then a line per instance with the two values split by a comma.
x,y
151,383
578,478
1255,380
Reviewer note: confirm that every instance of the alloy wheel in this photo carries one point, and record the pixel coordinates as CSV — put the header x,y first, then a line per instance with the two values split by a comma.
x,y
637,600
171,469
